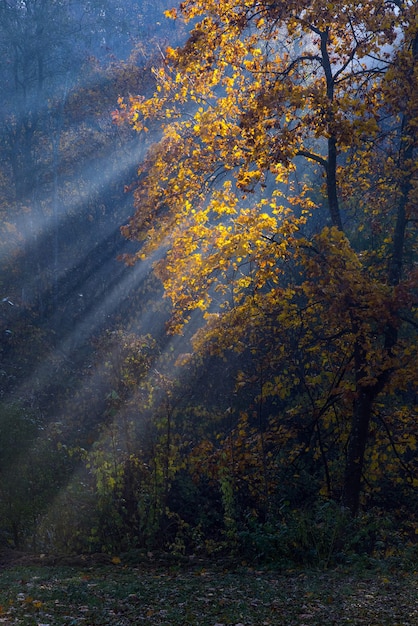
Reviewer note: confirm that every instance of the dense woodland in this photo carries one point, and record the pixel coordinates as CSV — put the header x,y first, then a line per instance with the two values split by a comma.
x,y
208,284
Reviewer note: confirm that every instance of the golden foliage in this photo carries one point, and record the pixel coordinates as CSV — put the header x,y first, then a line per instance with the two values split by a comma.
x,y
257,88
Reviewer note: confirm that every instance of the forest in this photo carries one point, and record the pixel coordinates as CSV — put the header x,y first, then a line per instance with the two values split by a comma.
x,y
208,279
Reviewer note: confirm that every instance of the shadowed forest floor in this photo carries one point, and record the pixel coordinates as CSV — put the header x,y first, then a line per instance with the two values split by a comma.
x,y
212,595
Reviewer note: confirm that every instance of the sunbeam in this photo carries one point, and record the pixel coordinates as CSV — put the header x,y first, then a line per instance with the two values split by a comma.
x,y
90,181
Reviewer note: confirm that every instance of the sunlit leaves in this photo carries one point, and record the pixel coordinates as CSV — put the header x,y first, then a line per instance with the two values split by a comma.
x,y
256,88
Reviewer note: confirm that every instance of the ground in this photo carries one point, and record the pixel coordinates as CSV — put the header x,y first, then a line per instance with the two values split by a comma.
x,y
92,593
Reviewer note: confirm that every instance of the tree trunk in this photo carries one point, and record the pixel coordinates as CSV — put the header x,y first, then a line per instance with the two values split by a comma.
x,y
331,162
356,449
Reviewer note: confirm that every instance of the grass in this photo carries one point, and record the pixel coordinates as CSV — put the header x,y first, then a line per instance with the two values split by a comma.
x,y
213,595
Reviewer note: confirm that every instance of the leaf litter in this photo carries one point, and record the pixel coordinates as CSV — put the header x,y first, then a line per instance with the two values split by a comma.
x,y
205,596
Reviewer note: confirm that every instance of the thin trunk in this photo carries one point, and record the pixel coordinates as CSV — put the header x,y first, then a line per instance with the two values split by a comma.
x,y
324,460
55,201
262,430
359,432
331,166
167,455
331,174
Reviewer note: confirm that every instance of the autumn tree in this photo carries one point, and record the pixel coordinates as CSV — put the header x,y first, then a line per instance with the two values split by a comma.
x,y
259,90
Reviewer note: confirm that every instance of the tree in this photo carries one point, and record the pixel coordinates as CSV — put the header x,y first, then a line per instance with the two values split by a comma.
x,y
257,88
